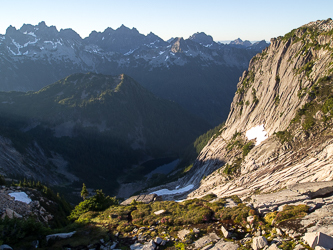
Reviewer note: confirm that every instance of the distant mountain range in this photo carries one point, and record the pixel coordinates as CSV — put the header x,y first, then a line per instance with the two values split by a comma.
x,y
197,73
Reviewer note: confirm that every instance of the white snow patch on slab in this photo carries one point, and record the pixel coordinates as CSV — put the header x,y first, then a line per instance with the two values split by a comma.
x,y
175,191
257,133
21,196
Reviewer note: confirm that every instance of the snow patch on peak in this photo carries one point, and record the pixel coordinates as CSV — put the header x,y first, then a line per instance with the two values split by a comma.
x,y
257,133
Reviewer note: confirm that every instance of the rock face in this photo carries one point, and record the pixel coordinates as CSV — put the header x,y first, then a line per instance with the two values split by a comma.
x,y
286,90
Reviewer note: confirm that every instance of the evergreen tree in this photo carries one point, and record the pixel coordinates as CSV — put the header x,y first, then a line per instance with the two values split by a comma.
x,y
84,191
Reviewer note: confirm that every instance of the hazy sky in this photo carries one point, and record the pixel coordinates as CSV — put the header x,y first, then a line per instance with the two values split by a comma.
x,y
222,19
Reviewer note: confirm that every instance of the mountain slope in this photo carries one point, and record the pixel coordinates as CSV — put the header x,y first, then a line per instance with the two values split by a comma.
x,y
287,90
197,73
98,125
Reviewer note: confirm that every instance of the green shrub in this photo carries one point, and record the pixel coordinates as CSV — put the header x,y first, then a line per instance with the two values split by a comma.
x,y
231,169
277,100
308,123
236,214
98,202
291,212
328,106
283,136
247,148
254,96
13,231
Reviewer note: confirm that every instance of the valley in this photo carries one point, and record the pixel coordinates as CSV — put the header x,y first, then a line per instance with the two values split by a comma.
x,y
260,180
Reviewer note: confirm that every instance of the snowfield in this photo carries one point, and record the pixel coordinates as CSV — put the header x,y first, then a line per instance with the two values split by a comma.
x,y
175,191
258,133
21,196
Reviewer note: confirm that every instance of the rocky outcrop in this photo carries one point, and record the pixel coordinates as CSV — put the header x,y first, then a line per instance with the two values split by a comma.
x,y
290,75
17,209
145,198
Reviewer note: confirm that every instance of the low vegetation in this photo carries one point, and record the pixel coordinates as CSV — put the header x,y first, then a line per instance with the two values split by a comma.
x,y
289,212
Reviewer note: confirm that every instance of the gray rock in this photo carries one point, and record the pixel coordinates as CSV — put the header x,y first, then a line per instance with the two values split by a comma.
x,y
159,212
225,232
136,246
113,246
321,220
183,233
259,242
222,245
230,203
60,236
11,214
147,246
5,247
212,237
273,247
313,189
207,247
299,247
318,239
158,240
320,248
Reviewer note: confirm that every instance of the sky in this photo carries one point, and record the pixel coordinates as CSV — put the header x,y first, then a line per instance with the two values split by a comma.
x,y
224,20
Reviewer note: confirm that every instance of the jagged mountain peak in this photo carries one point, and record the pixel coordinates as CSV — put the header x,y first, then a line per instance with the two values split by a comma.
x,y
240,42
125,30
202,38
69,34
10,30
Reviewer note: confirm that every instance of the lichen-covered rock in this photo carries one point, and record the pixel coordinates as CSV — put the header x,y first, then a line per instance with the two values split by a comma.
x,y
222,245
203,241
259,242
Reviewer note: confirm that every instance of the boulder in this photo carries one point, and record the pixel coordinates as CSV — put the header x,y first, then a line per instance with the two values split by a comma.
x,y
158,240
60,236
259,242
10,214
159,212
318,239
225,232
273,247
183,233
203,241
222,245
230,203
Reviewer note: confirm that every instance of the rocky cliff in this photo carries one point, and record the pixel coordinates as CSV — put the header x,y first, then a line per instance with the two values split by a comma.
x,y
287,89
286,95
